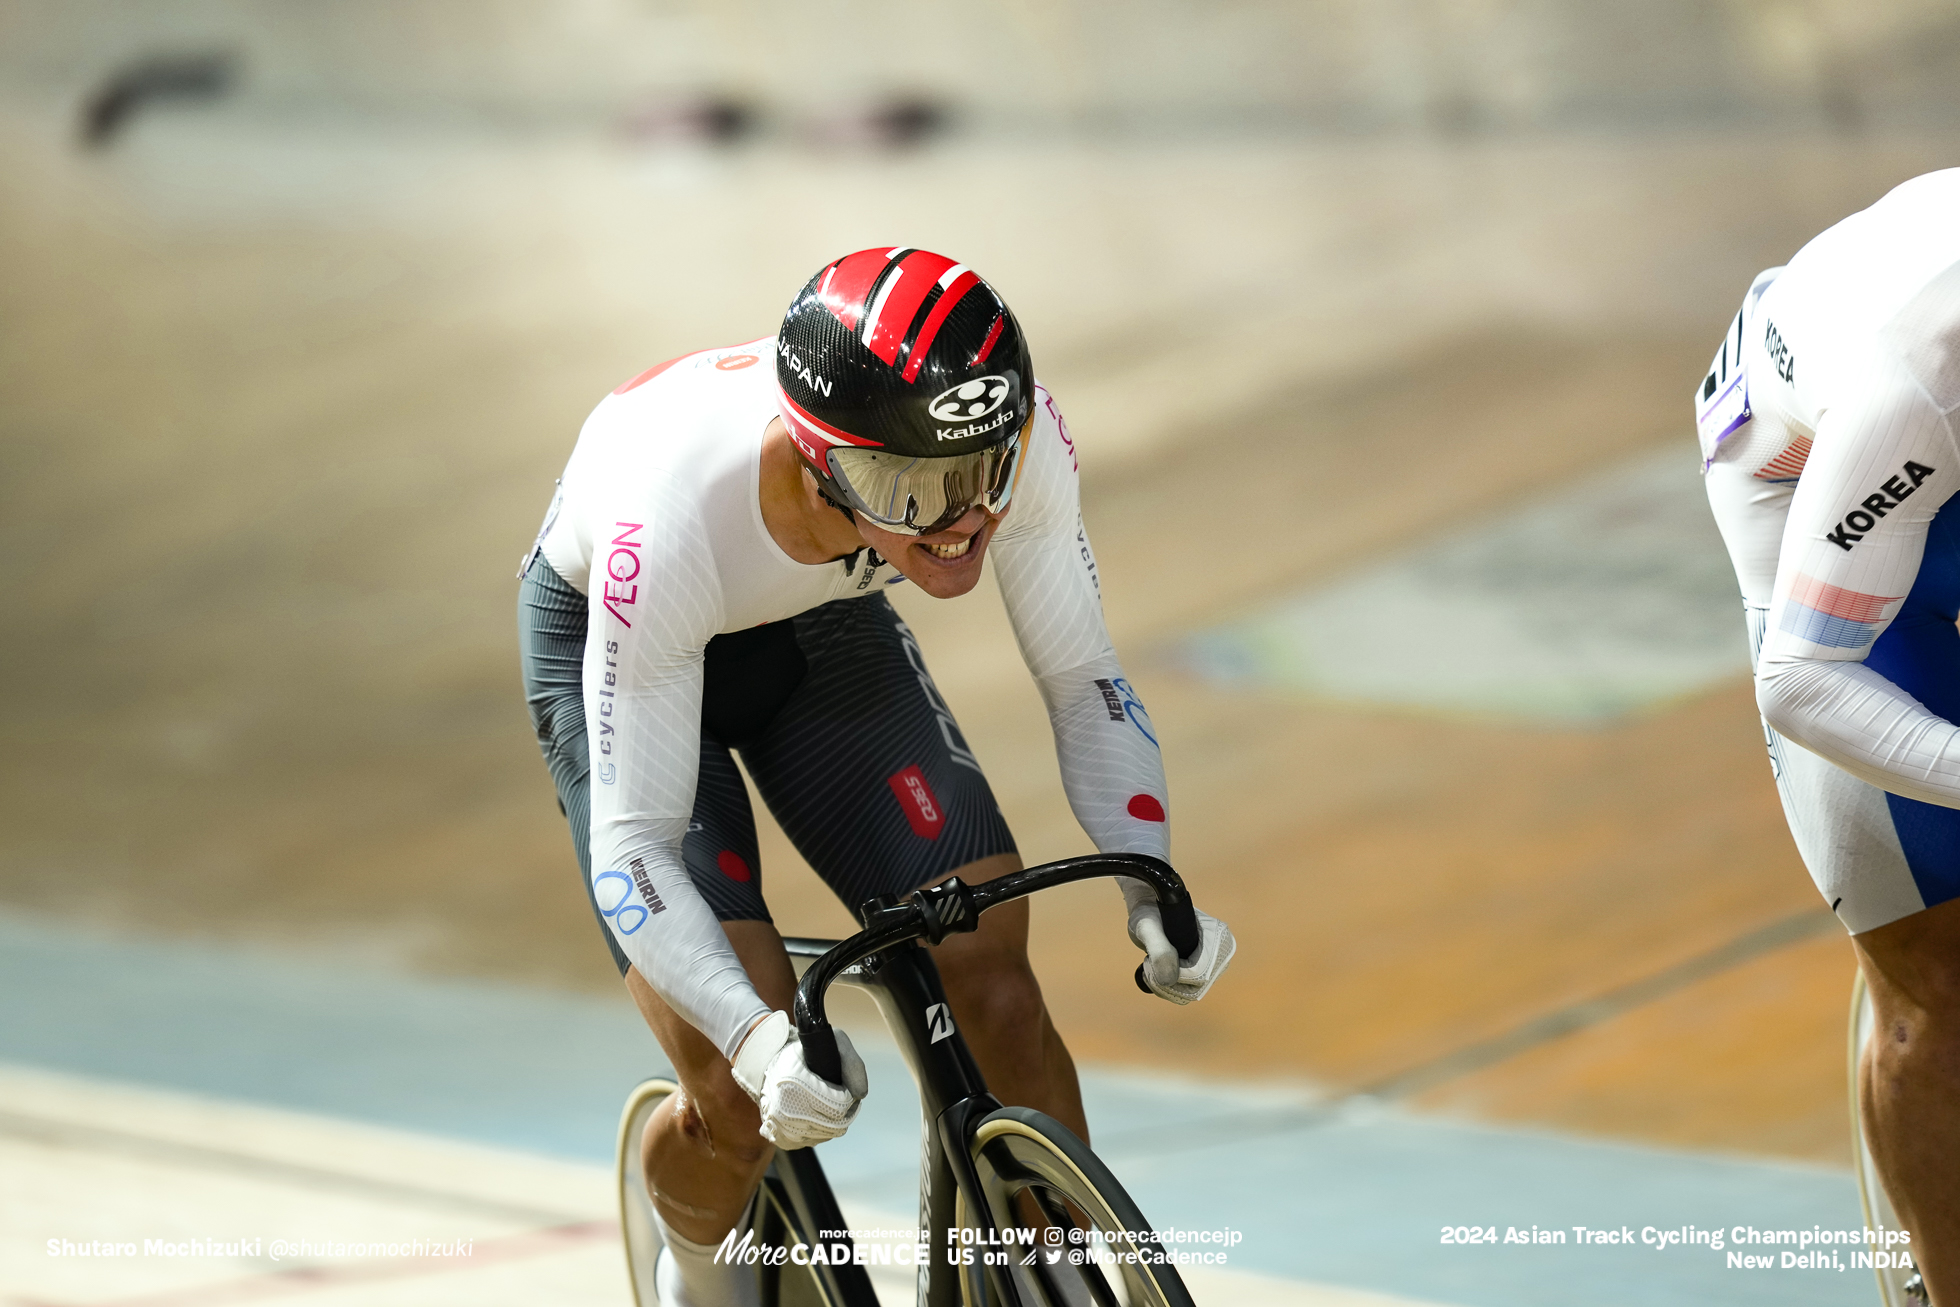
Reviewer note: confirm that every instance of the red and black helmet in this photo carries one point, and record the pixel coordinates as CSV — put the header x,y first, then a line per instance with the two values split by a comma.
x,y
904,381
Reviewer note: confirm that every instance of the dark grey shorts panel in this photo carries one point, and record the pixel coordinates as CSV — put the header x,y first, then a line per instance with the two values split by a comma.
x,y
865,767
835,718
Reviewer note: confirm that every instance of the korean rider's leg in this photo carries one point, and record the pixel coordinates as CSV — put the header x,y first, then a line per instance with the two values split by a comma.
x,y
1909,1082
1877,859
1909,1076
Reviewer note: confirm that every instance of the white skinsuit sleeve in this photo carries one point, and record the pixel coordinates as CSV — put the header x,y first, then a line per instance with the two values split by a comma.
x,y
653,604
1880,471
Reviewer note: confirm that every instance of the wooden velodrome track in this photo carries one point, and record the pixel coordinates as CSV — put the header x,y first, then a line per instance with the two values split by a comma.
x,y
281,414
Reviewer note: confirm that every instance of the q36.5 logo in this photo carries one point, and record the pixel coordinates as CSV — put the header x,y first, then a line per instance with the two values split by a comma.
x,y
969,400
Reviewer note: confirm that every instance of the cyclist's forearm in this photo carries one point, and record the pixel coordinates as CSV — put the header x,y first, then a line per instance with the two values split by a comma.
x,y
670,934
1111,769
1850,715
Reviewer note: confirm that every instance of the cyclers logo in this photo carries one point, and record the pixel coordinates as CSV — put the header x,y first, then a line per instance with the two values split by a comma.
x,y
939,1022
1861,520
607,698
970,400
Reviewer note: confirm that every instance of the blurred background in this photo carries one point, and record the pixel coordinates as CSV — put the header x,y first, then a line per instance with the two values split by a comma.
x,y
1375,322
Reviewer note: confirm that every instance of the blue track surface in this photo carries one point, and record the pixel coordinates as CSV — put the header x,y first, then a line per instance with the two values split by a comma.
x,y
1356,1196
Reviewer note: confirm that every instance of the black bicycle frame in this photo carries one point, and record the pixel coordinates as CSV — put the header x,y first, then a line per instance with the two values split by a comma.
x,y
885,959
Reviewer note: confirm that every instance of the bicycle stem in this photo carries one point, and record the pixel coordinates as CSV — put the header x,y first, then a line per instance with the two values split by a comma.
x,y
953,907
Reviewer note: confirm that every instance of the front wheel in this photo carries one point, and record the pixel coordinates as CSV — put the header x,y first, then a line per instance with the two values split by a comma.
x,y
1087,1244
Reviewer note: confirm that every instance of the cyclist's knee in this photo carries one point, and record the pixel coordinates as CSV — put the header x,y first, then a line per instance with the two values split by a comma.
x,y
1927,1014
998,994
718,1120
1911,1050
1915,988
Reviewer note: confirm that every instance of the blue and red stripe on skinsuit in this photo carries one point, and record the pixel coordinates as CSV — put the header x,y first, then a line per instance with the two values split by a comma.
x,y
1831,615
1920,653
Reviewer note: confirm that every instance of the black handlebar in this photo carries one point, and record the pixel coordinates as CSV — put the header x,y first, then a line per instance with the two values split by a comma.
x,y
952,907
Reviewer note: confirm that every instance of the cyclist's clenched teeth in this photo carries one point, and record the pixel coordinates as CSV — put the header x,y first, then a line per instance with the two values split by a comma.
x,y
950,551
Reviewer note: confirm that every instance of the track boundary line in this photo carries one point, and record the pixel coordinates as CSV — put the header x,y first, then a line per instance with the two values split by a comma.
x,y
1594,1011
312,1277
35,1129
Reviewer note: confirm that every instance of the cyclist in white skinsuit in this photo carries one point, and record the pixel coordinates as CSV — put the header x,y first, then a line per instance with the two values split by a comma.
x,y
724,532
1828,428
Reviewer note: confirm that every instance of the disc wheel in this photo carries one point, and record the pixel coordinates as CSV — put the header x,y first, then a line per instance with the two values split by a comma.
x,y
1896,1287
779,1225
1091,1246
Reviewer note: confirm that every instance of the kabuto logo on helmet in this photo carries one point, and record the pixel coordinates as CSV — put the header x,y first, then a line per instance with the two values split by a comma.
x,y
970,400
973,429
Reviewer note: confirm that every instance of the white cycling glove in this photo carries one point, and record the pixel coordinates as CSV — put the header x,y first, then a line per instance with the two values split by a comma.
x,y
1167,976
799,1107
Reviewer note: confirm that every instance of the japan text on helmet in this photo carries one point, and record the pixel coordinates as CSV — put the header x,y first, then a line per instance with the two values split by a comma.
x,y
905,383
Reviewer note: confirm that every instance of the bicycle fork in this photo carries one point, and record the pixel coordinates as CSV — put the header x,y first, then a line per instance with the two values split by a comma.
x,y
952,1097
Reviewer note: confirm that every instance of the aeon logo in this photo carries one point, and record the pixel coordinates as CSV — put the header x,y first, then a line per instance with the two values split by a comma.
x,y
969,400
